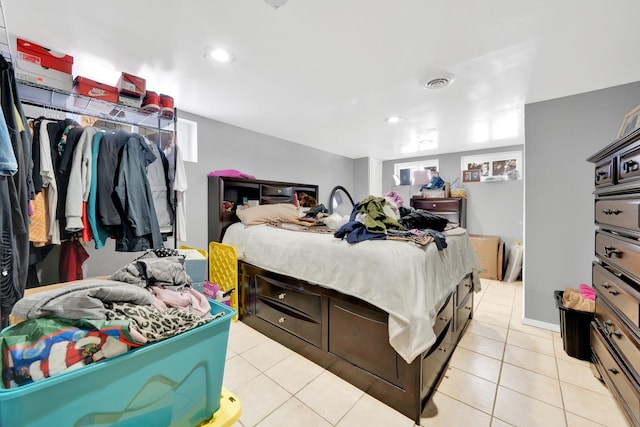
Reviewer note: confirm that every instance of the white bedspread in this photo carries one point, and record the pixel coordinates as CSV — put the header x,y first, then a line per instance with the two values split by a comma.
x,y
407,281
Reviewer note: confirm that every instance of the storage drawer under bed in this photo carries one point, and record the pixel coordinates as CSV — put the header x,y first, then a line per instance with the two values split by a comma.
x,y
298,311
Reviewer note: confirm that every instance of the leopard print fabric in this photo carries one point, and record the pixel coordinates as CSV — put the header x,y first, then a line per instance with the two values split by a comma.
x,y
152,323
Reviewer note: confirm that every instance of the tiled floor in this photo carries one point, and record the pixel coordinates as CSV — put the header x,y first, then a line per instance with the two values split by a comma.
x,y
503,373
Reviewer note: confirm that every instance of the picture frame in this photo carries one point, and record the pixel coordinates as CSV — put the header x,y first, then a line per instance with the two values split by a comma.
x,y
493,167
630,122
471,175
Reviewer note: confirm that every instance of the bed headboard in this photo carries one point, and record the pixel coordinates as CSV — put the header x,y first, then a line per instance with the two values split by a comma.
x,y
226,194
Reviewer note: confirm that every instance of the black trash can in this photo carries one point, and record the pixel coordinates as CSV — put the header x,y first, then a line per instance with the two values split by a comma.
x,y
574,328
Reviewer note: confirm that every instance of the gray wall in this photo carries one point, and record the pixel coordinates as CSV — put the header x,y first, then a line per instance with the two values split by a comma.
x,y
493,208
559,233
222,146
361,179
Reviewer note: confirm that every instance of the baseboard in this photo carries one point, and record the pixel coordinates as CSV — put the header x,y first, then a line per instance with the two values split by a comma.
x,y
538,324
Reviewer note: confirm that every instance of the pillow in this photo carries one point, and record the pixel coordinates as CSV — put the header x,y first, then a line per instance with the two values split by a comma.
x,y
281,212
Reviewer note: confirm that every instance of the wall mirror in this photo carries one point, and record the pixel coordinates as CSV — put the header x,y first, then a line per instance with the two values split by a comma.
x,y
340,201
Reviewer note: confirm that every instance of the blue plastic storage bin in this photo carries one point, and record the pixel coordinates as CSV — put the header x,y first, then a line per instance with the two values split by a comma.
x,y
175,382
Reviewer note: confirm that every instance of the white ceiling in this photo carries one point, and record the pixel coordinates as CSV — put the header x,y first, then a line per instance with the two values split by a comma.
x,y
326,73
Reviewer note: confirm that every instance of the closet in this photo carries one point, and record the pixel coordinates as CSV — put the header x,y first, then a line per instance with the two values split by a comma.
x,y
143,162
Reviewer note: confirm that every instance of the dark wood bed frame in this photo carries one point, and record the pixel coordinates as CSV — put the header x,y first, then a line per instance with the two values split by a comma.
x,y
350,337
343,334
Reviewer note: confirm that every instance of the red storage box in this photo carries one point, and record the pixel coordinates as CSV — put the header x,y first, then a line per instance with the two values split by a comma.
x,y
44,57
132,85
94,89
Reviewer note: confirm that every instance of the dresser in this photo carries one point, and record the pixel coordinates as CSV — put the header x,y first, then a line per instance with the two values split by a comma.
x,y
615,333
452,208
226,195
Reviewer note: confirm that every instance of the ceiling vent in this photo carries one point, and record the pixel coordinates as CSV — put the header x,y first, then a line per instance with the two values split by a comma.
x,y
438,82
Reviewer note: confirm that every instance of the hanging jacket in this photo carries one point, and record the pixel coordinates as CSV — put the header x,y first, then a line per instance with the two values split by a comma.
x,y
140,229
79,180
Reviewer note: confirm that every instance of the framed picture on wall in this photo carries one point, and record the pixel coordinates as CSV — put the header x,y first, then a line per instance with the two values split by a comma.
x,y
492,167
471,175
630,122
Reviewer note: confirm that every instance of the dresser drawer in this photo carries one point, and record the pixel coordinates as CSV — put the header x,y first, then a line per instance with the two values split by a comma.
x,y
623,388
617,293
273,190
619,251
273,200
625,343
605,172
629,165
298,299
463,288
619,213
436,205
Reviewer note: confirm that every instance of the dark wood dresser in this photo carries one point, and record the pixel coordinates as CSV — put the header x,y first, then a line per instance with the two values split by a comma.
x,y
615,333
452,208
238,191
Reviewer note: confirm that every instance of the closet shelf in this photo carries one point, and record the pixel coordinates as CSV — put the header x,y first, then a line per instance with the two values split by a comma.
x,y
68,102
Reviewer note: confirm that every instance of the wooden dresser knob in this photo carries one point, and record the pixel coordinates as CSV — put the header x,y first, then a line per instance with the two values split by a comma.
x,y
613,370
281,320
283,295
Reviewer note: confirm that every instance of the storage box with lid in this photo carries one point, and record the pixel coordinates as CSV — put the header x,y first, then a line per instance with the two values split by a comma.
x,y
41,65
195,264
174,382
93,89
131,85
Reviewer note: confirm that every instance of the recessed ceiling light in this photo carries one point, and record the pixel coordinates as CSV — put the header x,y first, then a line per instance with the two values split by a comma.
x,y
393,119
220,54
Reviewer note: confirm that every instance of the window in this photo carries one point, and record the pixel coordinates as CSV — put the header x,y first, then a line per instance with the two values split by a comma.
x,y
415,173
188,139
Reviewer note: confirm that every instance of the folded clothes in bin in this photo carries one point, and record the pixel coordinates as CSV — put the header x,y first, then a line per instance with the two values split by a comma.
x,y
575,329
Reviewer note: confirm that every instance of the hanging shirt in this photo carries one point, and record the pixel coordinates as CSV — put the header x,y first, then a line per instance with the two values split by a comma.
x,y
79,180
8,163
49,182
99,233
156,174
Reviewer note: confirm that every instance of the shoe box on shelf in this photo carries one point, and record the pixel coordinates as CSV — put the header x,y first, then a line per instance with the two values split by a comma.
x,y
40,65
166,104
151,102
93,89
131,90
158,103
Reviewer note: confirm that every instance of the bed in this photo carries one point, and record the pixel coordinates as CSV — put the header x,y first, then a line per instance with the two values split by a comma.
x,y
384,315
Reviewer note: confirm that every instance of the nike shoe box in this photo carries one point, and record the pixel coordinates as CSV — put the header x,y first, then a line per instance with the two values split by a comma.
x,y
93,89
131,85
43,66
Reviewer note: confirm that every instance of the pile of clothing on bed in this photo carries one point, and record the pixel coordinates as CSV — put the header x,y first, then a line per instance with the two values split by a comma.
x,y
385,217
65,328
